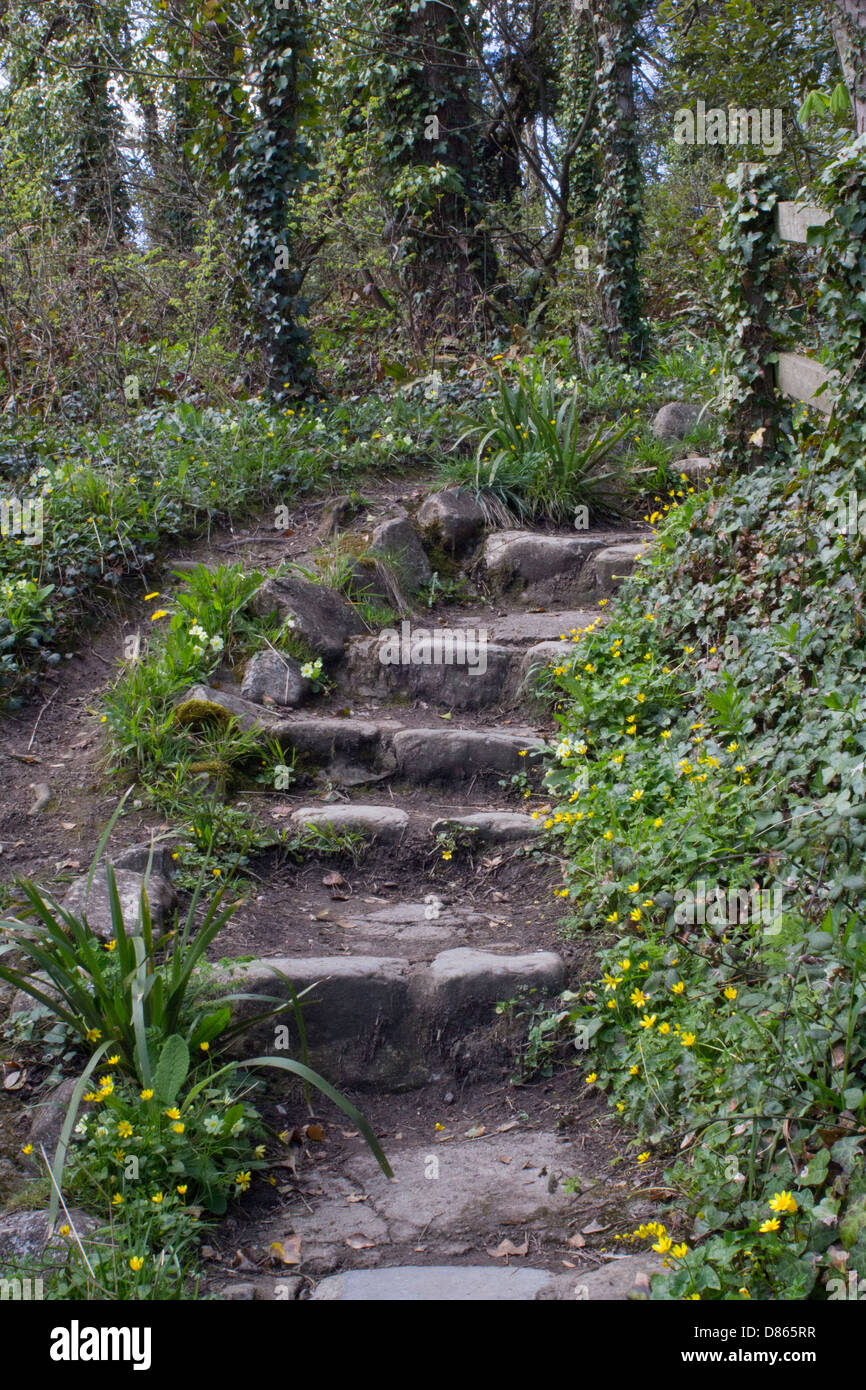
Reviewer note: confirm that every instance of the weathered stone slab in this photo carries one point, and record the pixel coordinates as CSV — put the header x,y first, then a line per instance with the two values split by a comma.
x,y
493,827
433,1284
96,907
452,518
613,565
386,823
428,755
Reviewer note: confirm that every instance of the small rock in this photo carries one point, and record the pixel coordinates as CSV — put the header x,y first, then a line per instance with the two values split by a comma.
x,y
398,543
274,677
386,823
322,616
674,420
451,518
96,906
25,1234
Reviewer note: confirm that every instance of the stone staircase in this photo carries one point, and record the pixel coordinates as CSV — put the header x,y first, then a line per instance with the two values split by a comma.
x,y
411,754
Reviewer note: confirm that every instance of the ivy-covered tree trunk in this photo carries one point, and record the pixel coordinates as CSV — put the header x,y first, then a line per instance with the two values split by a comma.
x,y
619,210
445,257
848,22
270,168
88,41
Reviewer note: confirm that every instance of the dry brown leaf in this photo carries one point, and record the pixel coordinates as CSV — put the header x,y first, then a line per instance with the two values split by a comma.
x,y
287,1252
315,1133
576,1241
506,1248
475,1132
360,1242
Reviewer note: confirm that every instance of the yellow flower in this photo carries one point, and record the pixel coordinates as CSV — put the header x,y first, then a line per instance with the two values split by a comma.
x,y
771,1225
124,1129
27,1149
637,794
156,1198
678,987
148,597
612,917
688,1039
638,998
744,1292
522,752
135,1263
633,1071
109,945
648,1020
658,822
438,1126
93,1035
593,1076
663,1245
730,992
664,1029
113,1061
243,1180
634,887
147,1095
608,835
117,1200
783,1201
446,854
160,613
205,1046
179,1127
679,1251
173,1113
182,1189
642,1158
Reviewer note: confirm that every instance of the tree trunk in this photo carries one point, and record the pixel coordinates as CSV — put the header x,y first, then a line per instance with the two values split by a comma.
x,y
848,23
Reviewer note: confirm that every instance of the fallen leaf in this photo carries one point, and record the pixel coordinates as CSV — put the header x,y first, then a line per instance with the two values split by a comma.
x,y
360,1242
594,1227
333,880
475,1132
576,1241
503,1129
68,824
315,1133
506,1248
288,1252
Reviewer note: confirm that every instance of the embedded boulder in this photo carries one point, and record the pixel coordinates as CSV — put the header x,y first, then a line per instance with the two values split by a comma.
x,y
272,678
322,617
674,420
452,519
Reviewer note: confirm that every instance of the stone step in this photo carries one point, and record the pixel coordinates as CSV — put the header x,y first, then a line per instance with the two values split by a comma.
x,y
616,1281
390,824
377,1021
356,751
616,562
547,568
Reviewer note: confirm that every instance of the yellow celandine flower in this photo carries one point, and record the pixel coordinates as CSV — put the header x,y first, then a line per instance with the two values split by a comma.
x,y
648,1020
635,914
644,965
612,917
679,1251
113,1061
663,1244
205,1046
664,1029
634,887
611,1003
522,752
446,854
730,992
93,1035
633,1071
732,747
181,1188
124,1129
625,965
620,1105
173,1113
157,1198
136,1263
27,1149
638,998
688,1039
117,1200
608,835
147,1095
438,1126
783,1201
767,1226
179,1127
678,987
243,1180
745,1292
108,945
160,613
148,597
642,1158
637,794
593,1077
